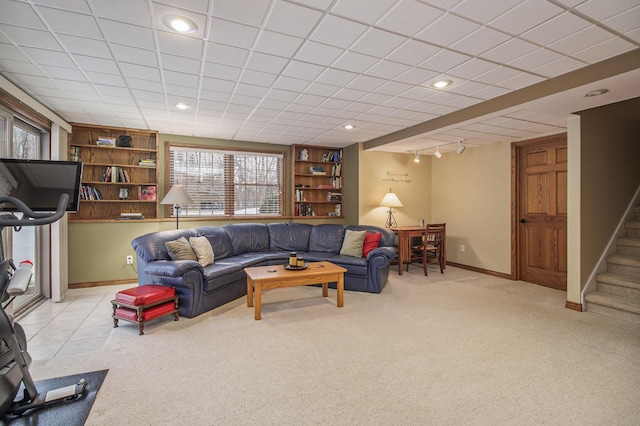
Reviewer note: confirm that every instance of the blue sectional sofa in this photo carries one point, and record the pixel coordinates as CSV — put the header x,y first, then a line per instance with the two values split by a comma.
x,y
237,246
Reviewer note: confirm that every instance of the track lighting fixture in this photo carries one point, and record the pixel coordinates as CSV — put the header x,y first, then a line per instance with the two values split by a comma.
x,y
461,147
417,157
437,153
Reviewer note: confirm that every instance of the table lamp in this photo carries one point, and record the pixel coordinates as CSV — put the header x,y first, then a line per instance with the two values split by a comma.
x,y
391,200
176,196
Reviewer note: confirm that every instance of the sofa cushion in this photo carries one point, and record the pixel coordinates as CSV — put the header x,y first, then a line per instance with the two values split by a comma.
x,y
352,243
180,249
326,238
248,237
371,241
202,248
289,236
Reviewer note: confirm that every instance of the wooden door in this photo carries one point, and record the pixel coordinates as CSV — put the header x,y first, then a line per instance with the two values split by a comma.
x,y
542,211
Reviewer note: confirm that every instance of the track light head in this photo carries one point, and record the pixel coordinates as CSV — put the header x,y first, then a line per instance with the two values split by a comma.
x,y
437,153
417,157
461,148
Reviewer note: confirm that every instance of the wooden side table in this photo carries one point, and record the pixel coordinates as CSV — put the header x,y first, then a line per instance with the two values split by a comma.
x,y
144,303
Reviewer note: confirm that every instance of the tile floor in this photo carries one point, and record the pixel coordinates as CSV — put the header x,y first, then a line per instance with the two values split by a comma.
x,y
79,324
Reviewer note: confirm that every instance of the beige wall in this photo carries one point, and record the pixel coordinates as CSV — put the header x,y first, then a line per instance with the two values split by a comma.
x,y
610,169
472,194
411,181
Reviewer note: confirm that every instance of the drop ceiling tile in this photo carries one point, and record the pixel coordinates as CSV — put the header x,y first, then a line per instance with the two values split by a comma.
x,y
139,71
21,14
466,87
179,45
49,57
480,41
252,12
199,6
182,65
144,84
447,30
72,23
366,11
581,40
292,19
416,76
226,55
496,75
336,77
535,59
408,17
63,73
11,53
355,62
413,52
109,91
85,46
556,29
266,63
387,69
29,37
211,107
303,70
634,35
377,43
290,83
418,93
244,89
604,50
366,83
393,88
128,35
626,21
132,12
222,72
278,44
601,10
525,16
338,32
89,63
472,68
510,50
520,81
134,55
181,79
445,60
484,11
258,78
321,89
23,71
217,85
350,94
317,53
490,92
232,33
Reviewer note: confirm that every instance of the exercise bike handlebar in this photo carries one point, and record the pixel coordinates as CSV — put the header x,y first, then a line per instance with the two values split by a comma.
x,y
31,218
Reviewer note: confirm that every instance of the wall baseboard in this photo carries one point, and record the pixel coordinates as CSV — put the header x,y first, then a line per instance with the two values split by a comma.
x,y
573,306
481,271
100,283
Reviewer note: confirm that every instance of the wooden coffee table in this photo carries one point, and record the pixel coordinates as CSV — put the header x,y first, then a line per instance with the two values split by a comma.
x,y
267,277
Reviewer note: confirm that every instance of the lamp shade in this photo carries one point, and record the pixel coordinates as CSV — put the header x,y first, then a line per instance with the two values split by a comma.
x,y
390,199
177,195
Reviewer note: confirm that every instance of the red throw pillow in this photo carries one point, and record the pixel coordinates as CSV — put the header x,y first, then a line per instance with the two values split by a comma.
x,y
371,241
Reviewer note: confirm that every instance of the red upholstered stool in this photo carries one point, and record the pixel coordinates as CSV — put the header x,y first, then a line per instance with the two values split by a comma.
x,y
144,303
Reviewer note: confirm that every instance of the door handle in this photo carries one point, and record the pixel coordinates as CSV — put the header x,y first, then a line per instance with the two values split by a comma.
x,y
523,220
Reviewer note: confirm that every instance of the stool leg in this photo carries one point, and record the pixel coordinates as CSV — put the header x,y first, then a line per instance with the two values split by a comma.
x,y
115,320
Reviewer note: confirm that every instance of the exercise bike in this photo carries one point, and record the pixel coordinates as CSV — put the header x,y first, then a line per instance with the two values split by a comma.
x,y
14,358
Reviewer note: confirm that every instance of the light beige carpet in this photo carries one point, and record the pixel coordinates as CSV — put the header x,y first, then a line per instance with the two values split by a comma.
x,y
455,349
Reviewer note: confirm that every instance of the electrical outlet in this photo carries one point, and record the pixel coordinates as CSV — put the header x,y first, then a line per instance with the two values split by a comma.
x,y
129,260
461,248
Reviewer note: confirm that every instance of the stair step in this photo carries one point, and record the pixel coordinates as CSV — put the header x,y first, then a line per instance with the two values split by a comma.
x,y
621,285
623,264
612,305
628,246
633,228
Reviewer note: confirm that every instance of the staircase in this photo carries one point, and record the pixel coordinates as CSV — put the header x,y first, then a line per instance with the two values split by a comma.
x,y
618,292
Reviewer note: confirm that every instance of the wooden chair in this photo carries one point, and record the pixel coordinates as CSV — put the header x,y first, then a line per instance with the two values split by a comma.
x,y
433,245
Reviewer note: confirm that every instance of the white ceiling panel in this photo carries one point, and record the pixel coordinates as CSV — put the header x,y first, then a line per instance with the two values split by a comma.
x,y
295,71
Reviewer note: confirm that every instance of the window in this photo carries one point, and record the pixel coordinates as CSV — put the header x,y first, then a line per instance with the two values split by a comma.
x,y
228,183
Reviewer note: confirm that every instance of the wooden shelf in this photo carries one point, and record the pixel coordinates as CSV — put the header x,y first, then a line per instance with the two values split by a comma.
x,y
317,195
96,159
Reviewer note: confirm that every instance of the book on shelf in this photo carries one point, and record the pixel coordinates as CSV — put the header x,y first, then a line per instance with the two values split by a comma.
x,y
131,215
334,196
147,192
140,217
317,170
148,162
106,141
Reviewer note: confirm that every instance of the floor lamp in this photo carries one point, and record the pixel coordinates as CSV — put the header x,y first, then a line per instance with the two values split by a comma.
x,y
176,196
391,200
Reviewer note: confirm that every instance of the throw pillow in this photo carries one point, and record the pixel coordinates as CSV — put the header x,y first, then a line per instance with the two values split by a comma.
x,y
371,241
202,248
180,249
352,243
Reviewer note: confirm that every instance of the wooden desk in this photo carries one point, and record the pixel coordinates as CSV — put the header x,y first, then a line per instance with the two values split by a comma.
x,y
405,233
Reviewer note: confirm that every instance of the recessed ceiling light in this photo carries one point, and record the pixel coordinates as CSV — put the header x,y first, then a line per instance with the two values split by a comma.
x,y
596,92
182,106
441,84
180,24
349,126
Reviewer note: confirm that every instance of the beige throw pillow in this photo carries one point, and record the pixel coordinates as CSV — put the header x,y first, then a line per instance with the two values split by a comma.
x,y
203,250
180,249
352,243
